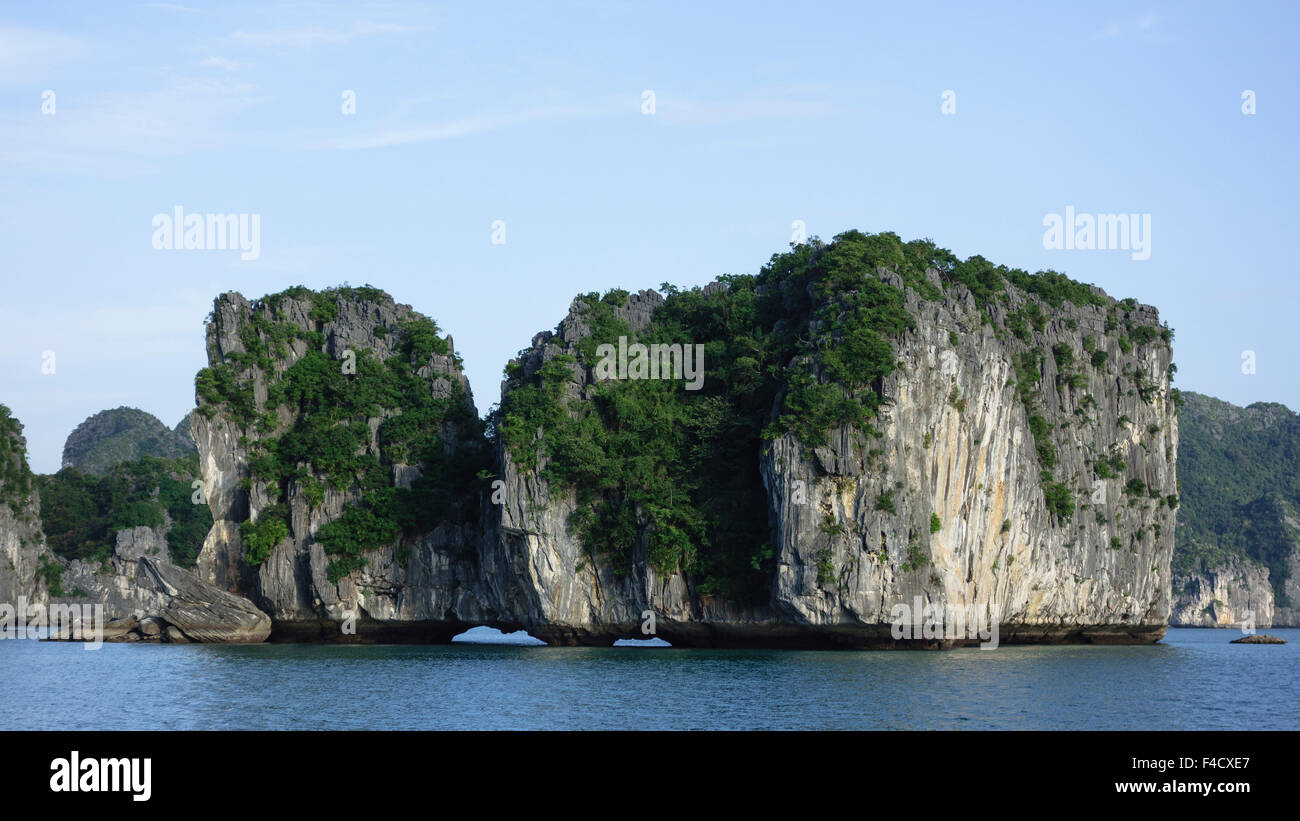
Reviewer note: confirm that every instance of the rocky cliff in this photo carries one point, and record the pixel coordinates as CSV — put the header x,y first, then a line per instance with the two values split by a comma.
x,y
147,598
340,447
144,595
1022,457
863,425
1227,595
22,544
1093,566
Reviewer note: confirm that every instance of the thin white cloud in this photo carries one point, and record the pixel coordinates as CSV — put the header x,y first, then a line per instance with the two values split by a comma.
x,y
318,36
223,64
763,103
188,114
1141,26
478,123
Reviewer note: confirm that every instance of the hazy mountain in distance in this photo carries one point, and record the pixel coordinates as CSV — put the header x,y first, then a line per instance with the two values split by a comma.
x,y
124,434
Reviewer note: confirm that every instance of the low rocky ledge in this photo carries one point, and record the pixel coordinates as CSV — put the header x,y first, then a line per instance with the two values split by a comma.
x,y
1258,638
757,635
147,598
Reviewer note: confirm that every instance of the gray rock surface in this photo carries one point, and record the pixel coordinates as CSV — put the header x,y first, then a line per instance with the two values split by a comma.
x,y
1259,639
434,593
22,543
22,549
1103,575
1224,596
975,468
146,597
1290,616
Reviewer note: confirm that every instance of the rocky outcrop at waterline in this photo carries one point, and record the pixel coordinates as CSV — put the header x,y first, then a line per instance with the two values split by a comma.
x,y
340,447
142,593
863,426
1258,639
147,598
1025,459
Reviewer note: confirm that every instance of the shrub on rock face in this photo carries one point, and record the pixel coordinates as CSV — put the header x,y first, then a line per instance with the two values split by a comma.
x,y
15,475
1059,501
260,536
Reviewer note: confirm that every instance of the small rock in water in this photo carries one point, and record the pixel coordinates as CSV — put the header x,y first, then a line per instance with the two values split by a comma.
x,y
1259,639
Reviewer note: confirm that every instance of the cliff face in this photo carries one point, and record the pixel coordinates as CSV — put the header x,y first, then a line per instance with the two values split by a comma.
x,y
349,346
1239,525
1101,573
21,549
1224,596
952,503
876,424
536,568
22,544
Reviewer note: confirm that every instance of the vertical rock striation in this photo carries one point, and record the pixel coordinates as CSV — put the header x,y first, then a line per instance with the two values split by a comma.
x,y
1011,446
22,544
953,502
1225,596
254,404
958,445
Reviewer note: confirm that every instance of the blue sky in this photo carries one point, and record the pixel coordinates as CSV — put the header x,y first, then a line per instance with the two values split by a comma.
x,y
765,113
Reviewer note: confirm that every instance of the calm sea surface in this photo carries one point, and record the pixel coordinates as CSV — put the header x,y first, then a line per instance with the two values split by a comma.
x,y
1194,679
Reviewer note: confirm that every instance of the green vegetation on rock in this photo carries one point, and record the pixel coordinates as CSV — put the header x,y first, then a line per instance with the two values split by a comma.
x,y
15,475
326,441
121,435
1239,487
801,348
82,513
